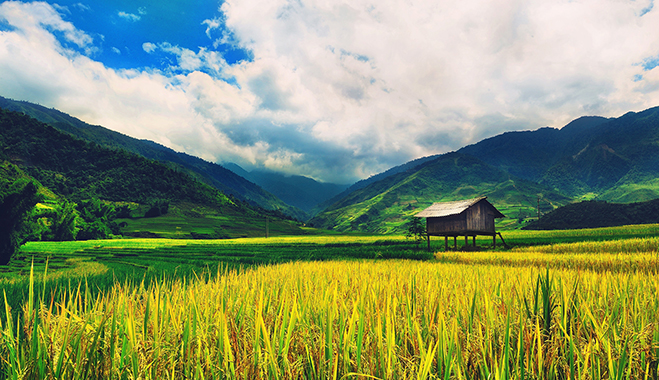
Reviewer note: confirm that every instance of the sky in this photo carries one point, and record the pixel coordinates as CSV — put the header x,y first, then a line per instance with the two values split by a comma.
x,y
335,90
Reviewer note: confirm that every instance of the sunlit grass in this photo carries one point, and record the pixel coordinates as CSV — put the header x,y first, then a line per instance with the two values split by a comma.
x,y
318,320
572,310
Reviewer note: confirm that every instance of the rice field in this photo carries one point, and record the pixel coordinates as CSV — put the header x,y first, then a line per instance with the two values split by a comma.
x,y
586,310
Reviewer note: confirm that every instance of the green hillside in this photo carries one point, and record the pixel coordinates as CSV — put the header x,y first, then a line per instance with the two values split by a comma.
x,y
596,214
207,172
386,206
592,157
74,171
302,192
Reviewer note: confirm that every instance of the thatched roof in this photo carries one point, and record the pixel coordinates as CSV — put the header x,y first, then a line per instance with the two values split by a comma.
x,y
440,209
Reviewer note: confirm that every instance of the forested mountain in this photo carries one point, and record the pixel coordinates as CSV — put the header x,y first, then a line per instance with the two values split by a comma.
x,y
86,186
77,169
210,173
387,205
590,158
302,192
372,179
615,159
596,214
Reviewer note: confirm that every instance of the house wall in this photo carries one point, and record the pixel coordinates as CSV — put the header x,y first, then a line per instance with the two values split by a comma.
x,y
479,219
447,224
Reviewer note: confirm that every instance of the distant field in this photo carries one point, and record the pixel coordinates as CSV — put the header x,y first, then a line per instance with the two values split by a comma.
x,y
186,221
196,255
559,304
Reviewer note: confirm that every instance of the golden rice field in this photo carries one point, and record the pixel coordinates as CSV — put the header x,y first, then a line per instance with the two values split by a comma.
x,y
529,313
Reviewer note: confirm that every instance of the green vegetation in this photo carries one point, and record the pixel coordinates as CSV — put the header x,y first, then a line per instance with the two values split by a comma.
x,y
386,206
209,173
593,214
18,196
612,159
416,230
186,220
79,170
93,192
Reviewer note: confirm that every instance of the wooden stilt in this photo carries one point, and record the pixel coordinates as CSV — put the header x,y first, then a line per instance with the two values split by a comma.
x,y
494,241
503,241
428,243
473,240
445,243
455,243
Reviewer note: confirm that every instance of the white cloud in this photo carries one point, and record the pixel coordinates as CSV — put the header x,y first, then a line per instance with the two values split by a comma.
x,y
188,61
129,16
345,89
39,20
116,50
149,47
211,24
82,7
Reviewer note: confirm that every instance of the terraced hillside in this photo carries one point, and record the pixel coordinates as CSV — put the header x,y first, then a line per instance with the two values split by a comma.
x,y
387,205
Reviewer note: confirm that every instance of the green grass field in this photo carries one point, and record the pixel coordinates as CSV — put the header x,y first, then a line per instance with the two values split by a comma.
x,y
186,221
578,304
185,255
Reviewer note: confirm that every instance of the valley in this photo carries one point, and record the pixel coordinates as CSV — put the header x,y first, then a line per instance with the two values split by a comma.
x,y
129,260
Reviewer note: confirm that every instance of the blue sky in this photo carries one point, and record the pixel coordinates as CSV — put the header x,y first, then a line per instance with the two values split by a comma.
x,y
121,28
337,90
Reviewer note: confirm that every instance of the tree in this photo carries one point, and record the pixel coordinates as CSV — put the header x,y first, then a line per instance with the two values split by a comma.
x,y
65,220
416,230
158,207
17,198
96,220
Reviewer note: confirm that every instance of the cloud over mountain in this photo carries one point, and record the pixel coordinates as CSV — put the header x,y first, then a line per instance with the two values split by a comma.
x,y
342,90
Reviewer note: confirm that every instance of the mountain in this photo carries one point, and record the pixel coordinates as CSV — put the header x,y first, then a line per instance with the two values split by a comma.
x,y
596,214
529,154
75,170
613,159
386,206
78,169
210,173
302,192
374,178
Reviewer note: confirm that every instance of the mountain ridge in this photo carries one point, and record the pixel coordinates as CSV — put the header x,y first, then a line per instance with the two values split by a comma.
x,y
210,173
592,157
386,206
302,192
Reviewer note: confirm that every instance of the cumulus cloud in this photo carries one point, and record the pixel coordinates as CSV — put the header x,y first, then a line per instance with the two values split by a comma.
x,y
149,47
345,89
188,60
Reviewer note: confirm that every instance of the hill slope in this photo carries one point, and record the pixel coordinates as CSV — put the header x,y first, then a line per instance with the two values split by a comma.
x,y
596,214
386,206
78,170
592,157
302,192
210,173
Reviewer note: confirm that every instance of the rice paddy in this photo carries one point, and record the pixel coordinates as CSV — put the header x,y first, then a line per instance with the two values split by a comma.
x,y
569,310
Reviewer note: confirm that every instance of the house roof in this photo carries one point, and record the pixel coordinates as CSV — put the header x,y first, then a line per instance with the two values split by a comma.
x,y
440,209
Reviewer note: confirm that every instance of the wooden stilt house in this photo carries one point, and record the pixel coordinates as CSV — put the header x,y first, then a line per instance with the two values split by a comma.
x,y
470,217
